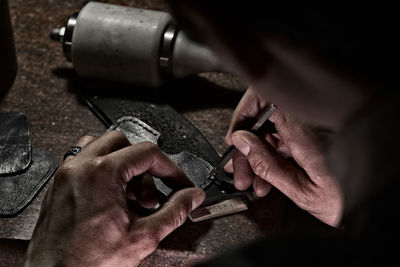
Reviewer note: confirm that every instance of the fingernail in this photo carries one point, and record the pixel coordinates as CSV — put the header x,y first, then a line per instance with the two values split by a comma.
x,y
198,198
241,145
229,166
228,139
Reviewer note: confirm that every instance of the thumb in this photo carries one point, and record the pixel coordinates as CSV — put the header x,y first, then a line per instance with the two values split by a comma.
x,y
175,211
270,165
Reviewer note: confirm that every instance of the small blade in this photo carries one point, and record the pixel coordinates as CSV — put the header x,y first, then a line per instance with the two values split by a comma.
x,y
225,207
227,156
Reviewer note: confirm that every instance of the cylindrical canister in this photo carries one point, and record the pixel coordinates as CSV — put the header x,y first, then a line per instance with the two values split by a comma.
x,y
8,58
118,43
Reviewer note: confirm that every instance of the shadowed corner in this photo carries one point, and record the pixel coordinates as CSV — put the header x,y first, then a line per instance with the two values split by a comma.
x,y
268,212
8,62
184,94
13,251
187,236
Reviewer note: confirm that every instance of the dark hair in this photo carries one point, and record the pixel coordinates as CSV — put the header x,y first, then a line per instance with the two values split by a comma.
x,y
358,40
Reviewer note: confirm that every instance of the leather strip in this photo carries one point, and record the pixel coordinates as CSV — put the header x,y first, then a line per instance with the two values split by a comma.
x,y
194,167
18,190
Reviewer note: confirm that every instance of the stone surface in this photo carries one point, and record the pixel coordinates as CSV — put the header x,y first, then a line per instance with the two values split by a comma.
x,y
44,91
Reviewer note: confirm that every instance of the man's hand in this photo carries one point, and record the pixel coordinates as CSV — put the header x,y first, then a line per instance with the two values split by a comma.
x,y
85,219
262,161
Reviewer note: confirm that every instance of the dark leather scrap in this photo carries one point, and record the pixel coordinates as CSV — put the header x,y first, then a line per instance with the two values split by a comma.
x,y
174,134
194,167
17,190
23,170
15,147
181,141
177,133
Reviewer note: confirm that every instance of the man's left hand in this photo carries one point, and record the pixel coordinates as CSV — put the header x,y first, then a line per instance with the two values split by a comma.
x,y
85,219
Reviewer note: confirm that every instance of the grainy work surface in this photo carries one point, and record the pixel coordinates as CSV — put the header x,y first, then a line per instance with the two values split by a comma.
x,y
44,90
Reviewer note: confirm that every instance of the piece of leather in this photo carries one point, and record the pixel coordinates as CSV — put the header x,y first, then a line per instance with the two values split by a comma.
x,y
175,136
15,147
177,133
194,167
17,190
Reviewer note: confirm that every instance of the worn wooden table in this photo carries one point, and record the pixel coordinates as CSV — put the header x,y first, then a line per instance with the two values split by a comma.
x,y
44,92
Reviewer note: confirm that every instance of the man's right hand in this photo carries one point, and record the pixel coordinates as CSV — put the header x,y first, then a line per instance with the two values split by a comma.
x,y
262,161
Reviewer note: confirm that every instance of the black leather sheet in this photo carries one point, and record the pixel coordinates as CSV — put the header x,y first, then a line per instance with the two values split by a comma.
x,y
23,170
15,147
18,190
175,136
194,167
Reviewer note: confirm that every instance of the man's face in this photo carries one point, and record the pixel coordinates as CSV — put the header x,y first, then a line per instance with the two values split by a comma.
x,y
283,65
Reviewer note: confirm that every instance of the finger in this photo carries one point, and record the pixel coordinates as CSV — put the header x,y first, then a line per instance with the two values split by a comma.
x,y
278,118
276,141
174,212
245,113
261,187
271,139
229,166
299,138
146,157
82,142
270,166
107,143
288,125
243,175
143,189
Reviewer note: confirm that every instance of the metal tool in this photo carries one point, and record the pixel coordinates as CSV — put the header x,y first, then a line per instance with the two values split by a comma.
x,y
131,45
227,156
235,200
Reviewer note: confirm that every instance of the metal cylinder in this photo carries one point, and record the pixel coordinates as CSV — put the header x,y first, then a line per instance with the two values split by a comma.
x,y
107,42
190,57
8,58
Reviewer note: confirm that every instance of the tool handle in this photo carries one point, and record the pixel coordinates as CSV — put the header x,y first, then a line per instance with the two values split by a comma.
x,y
263,118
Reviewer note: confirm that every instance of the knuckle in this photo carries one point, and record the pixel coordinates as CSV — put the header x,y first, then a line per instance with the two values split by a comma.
x,y
98,165
149,146
179,214
117,134
65,175
64,172
306,197
119,137
97,162
241,183
228,137
260,165
86,138
304,200
88,169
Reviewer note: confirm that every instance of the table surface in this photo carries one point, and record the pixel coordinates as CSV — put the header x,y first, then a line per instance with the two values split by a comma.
x,y
57,117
